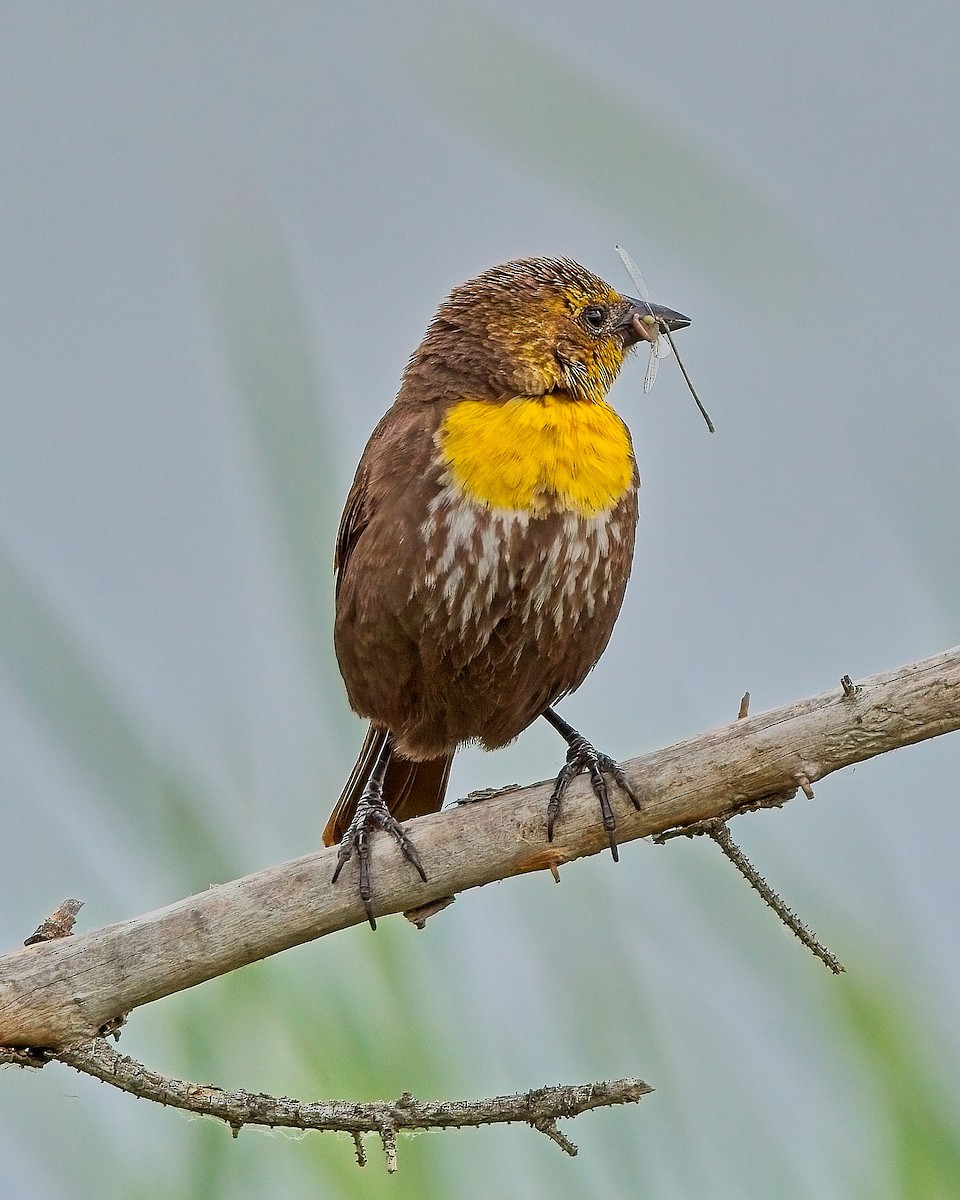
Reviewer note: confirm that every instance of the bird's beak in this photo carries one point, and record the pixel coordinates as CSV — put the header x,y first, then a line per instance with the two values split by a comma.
x,y
644,322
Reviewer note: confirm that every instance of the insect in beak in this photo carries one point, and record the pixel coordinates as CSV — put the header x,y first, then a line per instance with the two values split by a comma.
x,y
655,324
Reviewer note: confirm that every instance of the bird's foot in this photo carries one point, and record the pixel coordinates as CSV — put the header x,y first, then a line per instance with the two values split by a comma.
x,y
372,813
582,756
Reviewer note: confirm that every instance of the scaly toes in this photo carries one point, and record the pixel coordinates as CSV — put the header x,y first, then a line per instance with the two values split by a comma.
x,y
583,757
372,814
611,767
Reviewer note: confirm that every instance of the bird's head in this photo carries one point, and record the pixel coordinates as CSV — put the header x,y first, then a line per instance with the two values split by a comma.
x,y
535,326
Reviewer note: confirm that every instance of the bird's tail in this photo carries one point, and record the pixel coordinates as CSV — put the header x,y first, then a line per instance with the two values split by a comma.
x,y
410,789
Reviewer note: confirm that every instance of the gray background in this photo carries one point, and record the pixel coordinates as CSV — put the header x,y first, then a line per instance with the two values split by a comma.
x,y
223,228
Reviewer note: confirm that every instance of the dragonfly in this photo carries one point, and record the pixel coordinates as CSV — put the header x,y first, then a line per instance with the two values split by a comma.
x,y
662,344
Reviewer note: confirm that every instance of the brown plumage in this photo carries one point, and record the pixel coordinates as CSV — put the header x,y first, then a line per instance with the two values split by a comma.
x,y
487,540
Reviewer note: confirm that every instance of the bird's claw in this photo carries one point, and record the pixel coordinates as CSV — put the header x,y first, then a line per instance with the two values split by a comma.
x,y
372,813
582,756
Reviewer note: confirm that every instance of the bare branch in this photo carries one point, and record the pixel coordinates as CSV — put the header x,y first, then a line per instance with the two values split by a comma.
x,y
721,835
541,1108
719,832
63,992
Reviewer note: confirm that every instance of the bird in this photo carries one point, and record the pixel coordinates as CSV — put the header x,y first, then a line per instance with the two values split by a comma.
x,y
486,543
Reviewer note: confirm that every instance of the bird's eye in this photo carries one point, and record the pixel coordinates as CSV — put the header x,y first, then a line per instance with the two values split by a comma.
x,y
594,317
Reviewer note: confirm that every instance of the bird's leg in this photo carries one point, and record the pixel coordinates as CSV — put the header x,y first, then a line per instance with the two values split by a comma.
x,y
581,756
372,813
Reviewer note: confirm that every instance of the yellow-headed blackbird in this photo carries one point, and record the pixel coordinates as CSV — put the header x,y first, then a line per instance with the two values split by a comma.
x,y
486,542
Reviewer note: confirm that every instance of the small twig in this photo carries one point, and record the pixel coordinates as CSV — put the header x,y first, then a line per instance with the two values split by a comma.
x,y
744,707
481,794
721,835
541,1108
388,1139
59,924
420,916
717,829
554,1134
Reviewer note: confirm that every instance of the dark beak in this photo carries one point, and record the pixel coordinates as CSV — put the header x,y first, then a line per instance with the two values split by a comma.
x,y
637,325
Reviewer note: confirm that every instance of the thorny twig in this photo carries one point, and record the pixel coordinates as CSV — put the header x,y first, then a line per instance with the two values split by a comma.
x,y
541,1108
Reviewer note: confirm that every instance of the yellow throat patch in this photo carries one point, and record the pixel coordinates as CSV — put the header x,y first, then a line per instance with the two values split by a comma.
x,y
538,454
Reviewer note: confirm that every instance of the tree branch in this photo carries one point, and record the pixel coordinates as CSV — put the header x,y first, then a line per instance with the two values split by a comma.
x,y
540,1109
718,831
60,993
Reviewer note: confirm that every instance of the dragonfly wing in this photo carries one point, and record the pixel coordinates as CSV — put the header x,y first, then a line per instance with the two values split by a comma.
x,y
634,272
653,365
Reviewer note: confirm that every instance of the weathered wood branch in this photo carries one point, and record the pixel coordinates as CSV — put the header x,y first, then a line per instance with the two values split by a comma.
x,y
60,993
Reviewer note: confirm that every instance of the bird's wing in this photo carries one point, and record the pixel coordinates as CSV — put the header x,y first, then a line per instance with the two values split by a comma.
x,y
355,518
395,460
